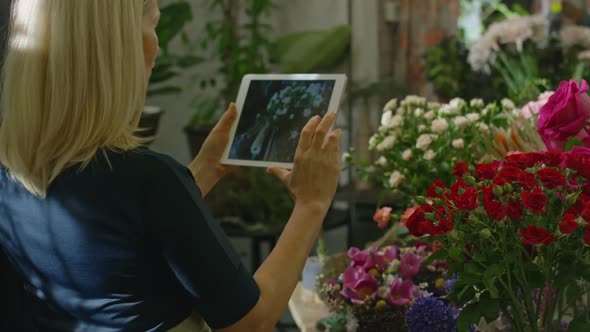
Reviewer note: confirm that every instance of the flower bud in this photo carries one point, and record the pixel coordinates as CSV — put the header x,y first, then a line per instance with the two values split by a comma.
x,y
439,190
421,200
508,187
380,305
439,283
430,216
374,272
437,201
455,234
469,180
485,233
498,191
571,199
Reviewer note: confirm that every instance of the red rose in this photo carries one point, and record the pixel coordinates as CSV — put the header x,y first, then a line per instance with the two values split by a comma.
x,y
568,224
578,159
515,210
528,180
461,169
523,160
496,210
551,178
466,201
552,158
510,173
564,115
581,202
417,223
534,200
487,171
446,224
587,235
432,189
536,235
585,212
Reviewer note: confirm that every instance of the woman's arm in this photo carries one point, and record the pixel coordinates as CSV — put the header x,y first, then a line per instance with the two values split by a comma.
x,y
312,182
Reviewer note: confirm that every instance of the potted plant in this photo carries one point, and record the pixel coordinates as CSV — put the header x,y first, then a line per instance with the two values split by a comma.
x,y
169,64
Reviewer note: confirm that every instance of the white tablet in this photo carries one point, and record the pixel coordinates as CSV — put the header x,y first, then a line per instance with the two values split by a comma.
x,y
272,111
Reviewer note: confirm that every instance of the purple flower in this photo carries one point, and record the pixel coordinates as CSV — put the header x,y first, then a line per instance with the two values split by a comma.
x,y
449,283
431,314
362,258
400,292
384,257
410,265
358,285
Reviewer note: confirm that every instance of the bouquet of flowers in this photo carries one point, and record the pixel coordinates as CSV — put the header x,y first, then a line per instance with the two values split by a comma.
x,y
419,141
517,234
392,289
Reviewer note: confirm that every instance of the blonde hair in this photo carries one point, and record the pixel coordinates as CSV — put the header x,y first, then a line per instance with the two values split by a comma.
x,y
73,84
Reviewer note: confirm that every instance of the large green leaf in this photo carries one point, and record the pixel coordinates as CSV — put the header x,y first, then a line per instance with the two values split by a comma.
x,y
173,18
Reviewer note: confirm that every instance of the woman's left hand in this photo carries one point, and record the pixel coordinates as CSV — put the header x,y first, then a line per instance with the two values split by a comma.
x,y
206,167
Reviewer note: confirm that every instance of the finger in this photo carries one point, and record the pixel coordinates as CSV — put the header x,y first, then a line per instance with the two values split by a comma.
x,y
228,118
333,140
306,136
323,128
279,172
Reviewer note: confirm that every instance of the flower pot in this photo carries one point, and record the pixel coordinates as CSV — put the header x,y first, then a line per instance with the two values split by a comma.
x,y
311,270
196,135
150,121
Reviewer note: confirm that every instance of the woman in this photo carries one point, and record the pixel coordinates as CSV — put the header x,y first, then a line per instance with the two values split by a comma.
x,y
111,236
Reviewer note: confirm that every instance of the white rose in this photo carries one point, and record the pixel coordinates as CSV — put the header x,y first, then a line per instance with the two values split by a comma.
x,y
396,179
429,115
429,155
372,141
421,128
473,117
382,161
484,128
458,143
423,141
407,155
386,118
461,121
400,111
346,156
477,102
418,112
457,102
448,109
396,121
390,105
415,99
433,104
508,104
386,144
439,125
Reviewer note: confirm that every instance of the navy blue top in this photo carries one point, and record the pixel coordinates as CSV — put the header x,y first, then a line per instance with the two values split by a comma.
x,y
125,247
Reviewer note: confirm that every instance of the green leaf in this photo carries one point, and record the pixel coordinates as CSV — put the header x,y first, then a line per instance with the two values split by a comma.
x,y
455,253
572,143
469,315
189,61
490,307
573,293
173,18
441,253
579,325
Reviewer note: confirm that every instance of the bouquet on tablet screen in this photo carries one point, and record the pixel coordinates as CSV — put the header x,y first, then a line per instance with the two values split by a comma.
x,y
273,115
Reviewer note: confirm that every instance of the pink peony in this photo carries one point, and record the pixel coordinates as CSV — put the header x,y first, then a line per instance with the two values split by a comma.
x,y
382,217
384,257
362,258
358,285
400,292
564,115
410,265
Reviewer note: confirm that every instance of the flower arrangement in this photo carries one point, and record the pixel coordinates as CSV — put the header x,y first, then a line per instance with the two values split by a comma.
x,y
517,233
391,288
419,141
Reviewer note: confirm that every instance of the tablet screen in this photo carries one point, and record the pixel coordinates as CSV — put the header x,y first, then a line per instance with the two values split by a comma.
x,y
273,115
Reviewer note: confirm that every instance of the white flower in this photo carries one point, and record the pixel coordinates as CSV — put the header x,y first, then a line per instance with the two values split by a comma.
x,y
386,144
286,100
423,141
392,104
396,121
382,292
458,143
429,155
433,105
407,155
382,161
386,118
393,268
372,141
307,112
415,99
429,115
418,112
508,104
346,156
400,111
457,102
461,121
448,109
421,128
439,125
477,102
484,128
473,117
396,179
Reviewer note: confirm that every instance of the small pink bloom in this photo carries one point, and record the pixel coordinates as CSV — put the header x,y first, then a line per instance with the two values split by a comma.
x,y
410,265
358,285
384,257
362,258
382,217
400,292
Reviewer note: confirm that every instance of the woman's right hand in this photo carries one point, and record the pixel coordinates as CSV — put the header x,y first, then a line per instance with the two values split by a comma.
x,y
314,177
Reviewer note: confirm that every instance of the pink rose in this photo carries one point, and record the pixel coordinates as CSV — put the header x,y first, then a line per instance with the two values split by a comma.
x,y
382,217
534,107
564,115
